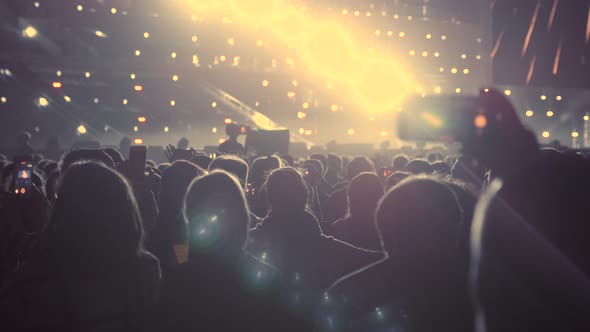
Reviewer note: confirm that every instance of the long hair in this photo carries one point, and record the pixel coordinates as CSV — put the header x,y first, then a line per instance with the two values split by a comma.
x,y
96,221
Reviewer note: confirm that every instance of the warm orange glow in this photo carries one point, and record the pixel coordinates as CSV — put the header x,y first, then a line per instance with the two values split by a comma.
x,y
228,121
141,119
480,121
529,33
138,88
546,134
138,141
529,113
56,85
529,76
556,59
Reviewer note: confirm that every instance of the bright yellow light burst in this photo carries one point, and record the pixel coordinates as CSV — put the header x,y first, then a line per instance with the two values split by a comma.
x,y
328,49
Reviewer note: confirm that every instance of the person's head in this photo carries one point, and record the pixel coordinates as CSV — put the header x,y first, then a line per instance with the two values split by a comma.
x,y
86,155
23,139
419,166
334,163
233,165
364,191
115,155
232,130
394,179
175,181
359,165
96,221
51,186
322,158
164,166
419,221
431,157
288,160
217,214
183,143
318,166
261,167
440,167
399,162
286,191
202,161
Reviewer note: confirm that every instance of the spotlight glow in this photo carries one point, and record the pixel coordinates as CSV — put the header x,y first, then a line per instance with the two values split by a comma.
x,y
30,32
81,130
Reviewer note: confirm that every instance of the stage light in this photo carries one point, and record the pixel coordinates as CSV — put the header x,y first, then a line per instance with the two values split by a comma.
x,y
67,99
396,16
586,117
43,101
214,129
295,83
575,134
30,32
173,103
132,76
194,17
138,141
377,33
195,60
96,100
458,90
166,129
454,70
135,129
265,83
221,141
290,94
56,85
195,39
384,134
437,90
465,71
36,4
424,54
529,113
441,69
58,73
480,121
486,90
142,119
410,18
125,101
478,57
428,36
173,55
436,54
301,115
222,58
550,113
79,8
81,130
463,56
412,52
546,134
113,10
507,92
389,33
87,74
138,88
558,98
259,43
543,97
231,41
227,121
351,132
372,118
137,52
443,37
100,33
368,14
214,104
357,13
402,34
3,100
334,108
175,78
308,132
301,131
305,105
344,11
146,35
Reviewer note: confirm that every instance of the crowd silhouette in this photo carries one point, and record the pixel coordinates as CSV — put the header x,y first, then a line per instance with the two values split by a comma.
x,y
494,239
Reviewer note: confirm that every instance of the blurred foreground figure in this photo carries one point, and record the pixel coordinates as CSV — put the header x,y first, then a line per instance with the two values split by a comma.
x,y
92,272
221,287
